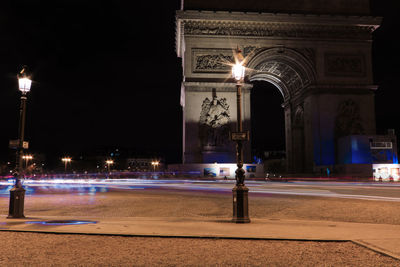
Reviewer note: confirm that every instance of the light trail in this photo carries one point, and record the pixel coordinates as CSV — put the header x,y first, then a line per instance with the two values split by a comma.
x,y
313,189
325,193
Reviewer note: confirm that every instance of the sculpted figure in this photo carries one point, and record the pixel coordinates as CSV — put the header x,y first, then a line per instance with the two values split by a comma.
x,y
214,122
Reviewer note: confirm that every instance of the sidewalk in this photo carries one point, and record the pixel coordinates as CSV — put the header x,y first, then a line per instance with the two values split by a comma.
x,y
382,238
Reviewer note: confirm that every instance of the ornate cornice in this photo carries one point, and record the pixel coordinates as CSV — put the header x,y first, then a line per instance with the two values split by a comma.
x,y
278,18
277,29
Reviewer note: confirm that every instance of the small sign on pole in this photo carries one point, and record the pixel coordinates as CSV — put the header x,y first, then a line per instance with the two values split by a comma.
x,y
13,144
25,145
240,136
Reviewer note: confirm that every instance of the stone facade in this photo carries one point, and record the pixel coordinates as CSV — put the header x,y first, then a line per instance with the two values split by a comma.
x,y
320,64
353,7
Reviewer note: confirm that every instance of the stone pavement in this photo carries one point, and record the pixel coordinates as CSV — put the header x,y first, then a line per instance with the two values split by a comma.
x,y
382,238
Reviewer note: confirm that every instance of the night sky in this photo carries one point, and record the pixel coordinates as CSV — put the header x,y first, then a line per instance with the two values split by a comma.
x,y
106,75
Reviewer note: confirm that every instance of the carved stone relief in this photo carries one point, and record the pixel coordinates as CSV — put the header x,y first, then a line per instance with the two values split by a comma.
x,y
283,71
286,30
344,65
348,119
290,69
217,60
214,123
212,60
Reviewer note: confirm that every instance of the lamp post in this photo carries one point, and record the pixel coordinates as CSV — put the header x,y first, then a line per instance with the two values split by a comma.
x,y
27,158
66,160
155,164
109,162
17,193
240,191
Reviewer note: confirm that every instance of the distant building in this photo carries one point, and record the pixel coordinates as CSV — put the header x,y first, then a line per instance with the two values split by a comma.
x,y
145,164
357,153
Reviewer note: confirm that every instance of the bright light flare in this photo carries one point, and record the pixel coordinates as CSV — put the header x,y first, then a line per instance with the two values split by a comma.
x,y
24,85
238,71
66,159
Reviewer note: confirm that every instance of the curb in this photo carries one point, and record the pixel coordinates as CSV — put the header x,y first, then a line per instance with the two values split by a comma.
x,y
178,236
376,249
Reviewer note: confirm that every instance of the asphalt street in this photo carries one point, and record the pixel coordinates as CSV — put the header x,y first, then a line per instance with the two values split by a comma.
x,y
347,202
350,190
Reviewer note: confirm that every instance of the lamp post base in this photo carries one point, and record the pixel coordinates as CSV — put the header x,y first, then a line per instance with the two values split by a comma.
x,y
17,198
240,204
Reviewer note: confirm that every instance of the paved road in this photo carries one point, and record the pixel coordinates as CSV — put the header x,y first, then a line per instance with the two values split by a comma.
x,y
362,191
326,201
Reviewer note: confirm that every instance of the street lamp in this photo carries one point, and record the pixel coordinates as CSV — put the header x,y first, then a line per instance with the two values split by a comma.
x,y
66,160
240,191
17,193
27,158
109,162
155,164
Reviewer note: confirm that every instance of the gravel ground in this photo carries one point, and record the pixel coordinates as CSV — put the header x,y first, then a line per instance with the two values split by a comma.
x,y
157,203
32,249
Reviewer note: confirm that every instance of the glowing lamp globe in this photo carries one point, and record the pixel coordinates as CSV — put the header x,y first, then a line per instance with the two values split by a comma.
x,y
24,81
238,72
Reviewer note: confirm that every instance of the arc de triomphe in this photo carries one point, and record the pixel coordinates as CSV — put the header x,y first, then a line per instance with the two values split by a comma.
x,y
317,53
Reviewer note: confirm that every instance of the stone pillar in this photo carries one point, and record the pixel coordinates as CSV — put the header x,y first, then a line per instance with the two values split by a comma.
x,y
298,140
288,136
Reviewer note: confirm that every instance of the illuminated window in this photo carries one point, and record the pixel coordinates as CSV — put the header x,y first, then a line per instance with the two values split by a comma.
x,y
381,145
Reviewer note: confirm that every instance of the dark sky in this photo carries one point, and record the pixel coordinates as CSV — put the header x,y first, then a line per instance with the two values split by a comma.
x,y
106,75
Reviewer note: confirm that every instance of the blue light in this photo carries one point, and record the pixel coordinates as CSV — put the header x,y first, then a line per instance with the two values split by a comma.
x,y
67,222
257,160
354,145
395,159
354,149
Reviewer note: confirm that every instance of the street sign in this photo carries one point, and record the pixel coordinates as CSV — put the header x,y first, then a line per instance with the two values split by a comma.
x,y
240,136
13,144
25,145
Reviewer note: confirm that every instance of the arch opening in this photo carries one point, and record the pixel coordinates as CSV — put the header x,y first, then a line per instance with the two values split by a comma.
x,y
268,125
290,72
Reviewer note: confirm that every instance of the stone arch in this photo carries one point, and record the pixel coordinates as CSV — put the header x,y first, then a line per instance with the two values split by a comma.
x,y
286,68
316,62
291,73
